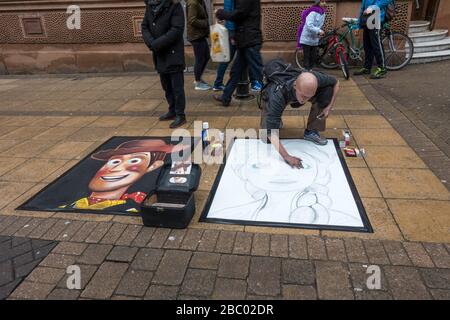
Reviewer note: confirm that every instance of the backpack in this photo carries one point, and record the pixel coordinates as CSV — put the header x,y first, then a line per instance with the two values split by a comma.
x,y
277,72
390,11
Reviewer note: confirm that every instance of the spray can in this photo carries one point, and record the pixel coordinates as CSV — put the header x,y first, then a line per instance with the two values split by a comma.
x,y
205,135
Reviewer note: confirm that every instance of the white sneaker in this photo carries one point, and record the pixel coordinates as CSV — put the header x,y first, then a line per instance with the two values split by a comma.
x,y
202,86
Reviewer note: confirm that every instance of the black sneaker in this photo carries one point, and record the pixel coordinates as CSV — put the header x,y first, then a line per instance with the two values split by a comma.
x,y
361,72
219,99
167,116
179,121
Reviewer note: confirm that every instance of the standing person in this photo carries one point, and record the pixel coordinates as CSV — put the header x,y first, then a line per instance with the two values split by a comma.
x,y
248,36
371,38
197,33
310,31
229,5
162,31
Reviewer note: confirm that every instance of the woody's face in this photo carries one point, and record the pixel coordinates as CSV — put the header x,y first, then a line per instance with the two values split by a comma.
x,y
122,171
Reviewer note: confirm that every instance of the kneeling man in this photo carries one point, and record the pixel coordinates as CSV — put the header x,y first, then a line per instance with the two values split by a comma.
x,y
319,88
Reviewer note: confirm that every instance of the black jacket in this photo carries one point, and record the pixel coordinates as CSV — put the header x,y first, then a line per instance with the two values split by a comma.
x,y
162,31
247,17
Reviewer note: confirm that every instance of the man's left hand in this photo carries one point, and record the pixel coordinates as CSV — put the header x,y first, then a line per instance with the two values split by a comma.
x,y
325,113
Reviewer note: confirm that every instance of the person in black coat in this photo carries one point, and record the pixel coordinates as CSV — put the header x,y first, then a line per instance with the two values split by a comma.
x,y
162,31
248,37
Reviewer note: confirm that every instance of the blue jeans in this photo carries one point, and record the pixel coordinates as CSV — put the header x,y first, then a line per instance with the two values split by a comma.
x,y
245,57
222,68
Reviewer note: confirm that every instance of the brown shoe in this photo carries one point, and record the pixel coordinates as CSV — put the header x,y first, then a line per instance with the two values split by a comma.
x,y
167,116
218,98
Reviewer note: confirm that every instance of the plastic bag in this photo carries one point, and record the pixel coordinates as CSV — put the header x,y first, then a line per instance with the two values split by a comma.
x,y
220,43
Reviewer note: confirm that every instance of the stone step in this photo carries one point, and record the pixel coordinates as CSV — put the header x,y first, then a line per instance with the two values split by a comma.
x,y
426,57
419,26
432,46
434,35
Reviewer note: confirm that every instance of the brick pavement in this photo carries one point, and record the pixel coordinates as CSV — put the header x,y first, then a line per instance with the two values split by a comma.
x,y
50,122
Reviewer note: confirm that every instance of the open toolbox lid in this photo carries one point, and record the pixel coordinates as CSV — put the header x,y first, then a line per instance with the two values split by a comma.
x,y
182,176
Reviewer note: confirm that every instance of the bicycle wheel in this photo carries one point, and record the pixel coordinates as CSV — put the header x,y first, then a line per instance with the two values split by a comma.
x,y
344,64
398,50
328,55
298,59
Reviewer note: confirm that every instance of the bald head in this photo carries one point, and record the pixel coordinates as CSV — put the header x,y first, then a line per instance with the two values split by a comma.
x,y
305,86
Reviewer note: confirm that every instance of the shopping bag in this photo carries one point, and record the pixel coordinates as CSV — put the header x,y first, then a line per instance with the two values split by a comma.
x,y
220,43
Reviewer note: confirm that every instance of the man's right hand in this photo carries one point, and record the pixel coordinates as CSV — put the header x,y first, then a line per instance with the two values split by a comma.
x,y
294,162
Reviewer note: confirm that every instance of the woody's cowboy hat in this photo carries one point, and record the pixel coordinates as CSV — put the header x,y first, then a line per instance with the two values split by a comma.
x,y
135,146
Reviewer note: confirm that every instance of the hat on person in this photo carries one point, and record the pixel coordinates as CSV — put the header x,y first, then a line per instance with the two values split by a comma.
x,y
135,146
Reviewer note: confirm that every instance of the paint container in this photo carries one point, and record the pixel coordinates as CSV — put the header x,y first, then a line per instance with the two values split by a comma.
x,y
205,134
347,137
342,143
354,152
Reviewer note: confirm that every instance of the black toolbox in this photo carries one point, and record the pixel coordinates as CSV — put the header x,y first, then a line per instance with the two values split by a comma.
x,y
172,203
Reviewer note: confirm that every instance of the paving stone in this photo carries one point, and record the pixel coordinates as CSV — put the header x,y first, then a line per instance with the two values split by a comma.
x,y
156,292
234,266
25,269
205,260
128,235
122,254
63,294
113,233
436,278
84,232
6,272
99,232
405,283
23,259
56,230
261,244
208,241
225,242
297,247
375,251
439,294
58,261
105,280
174,239
336,249
159,238
70,231
438,254
42,252
418,255
94,254
279,246
28,228
355,250
86,272
46,275
117,297
135,283
71,248
144,236
295,292
192,239
198,282
172,267
264,277
373,295
147,259
243,243
15,226
6,222
359,277
5,290
397,255
229,289
316,248
41,229
333,281
32,291
298,272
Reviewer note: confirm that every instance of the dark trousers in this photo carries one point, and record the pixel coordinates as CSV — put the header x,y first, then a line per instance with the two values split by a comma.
x,y
202,56
309,56
373,48
222,68
245,58
321,101
173,86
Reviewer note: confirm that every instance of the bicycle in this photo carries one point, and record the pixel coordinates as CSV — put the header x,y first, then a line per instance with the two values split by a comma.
x,y
335,49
